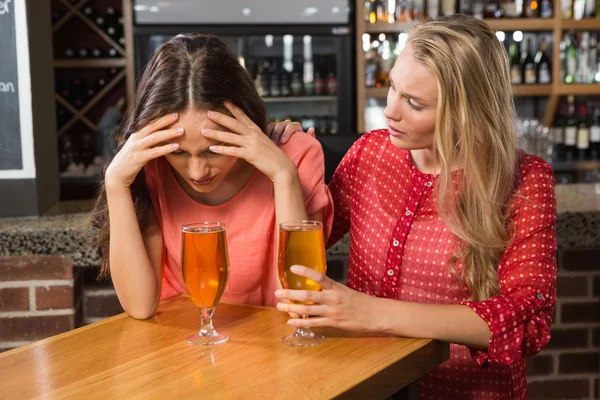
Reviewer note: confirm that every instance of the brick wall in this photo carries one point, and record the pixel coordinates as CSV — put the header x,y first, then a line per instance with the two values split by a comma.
x,y
99,298
40,296
569,367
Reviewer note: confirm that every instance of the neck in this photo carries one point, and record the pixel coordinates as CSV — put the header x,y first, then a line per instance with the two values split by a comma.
x,y
425,161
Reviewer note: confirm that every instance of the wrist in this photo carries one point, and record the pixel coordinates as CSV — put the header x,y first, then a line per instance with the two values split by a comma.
x,y
286,177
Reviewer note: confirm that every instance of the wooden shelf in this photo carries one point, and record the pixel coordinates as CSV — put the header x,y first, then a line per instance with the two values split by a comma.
x,y
298,99
566,166
588,24
507,24
578,89
532,90
90,63
518,90
396,27
377,93
521,24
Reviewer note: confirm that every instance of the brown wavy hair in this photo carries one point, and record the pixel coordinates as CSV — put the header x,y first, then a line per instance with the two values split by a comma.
x,y
189,71
476,129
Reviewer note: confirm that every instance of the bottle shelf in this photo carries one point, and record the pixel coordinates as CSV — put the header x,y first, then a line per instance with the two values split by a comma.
x,y
587,24
298,99
520,24
565,166
518,90
500,24
90,63
579,89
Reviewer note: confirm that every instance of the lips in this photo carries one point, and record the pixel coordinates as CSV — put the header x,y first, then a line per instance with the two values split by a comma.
x,y
203,182
394,132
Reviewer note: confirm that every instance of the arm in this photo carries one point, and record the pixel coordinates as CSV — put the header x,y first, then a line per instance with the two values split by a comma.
x,y
135,259
511,325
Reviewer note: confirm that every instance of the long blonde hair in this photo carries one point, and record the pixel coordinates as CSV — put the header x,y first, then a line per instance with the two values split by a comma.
x,y
476,130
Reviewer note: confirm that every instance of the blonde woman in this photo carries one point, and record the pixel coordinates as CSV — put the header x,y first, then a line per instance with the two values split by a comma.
x,y
452,227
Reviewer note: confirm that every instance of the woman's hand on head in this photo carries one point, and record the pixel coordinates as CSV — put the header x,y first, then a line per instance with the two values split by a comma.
x,y
246,140
142,146
281,132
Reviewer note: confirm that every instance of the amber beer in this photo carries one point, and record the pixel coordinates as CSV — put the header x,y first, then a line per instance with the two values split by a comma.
x,y
205,263
301,244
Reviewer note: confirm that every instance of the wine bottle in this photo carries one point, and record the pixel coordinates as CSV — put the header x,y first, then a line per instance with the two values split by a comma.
x,y
583,134
69,53
516,76
543,65
96,53
571,131
528,65
595,135
83,52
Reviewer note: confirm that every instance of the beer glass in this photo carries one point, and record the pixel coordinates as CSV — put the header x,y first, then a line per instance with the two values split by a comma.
x,y
301,243
205,268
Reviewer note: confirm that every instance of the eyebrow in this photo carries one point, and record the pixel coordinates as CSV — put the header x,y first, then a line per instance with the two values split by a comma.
x,y
417,98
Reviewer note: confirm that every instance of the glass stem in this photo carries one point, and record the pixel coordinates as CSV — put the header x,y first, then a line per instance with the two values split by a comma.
x,y
206,326
303,331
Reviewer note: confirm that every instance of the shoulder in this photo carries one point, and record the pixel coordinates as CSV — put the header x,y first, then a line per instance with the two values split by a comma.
x,y
534,182
528,164
302,146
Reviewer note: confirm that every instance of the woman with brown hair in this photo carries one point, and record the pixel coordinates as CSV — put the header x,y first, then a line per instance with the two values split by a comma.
x,y
193,149
452,227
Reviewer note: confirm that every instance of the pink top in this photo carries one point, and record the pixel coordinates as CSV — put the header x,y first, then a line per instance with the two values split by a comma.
x,y
249,219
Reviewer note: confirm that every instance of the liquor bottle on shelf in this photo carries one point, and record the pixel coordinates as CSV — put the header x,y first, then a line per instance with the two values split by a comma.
x,y
595,134
527,65
69,52
296,84
448,7
593,58
512,9
382,13
320,80
90,13
266,78
583,58
558,138
95,53
258,80
285,81
583,134
516,76
371,68
570,51
83,52
433,8
372,12
578,9
571,131
112,53
531,9
546,9
543,64
274,88
331,78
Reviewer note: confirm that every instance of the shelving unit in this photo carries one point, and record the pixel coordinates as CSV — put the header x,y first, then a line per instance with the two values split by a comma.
x,y
119,80
556,25
74,11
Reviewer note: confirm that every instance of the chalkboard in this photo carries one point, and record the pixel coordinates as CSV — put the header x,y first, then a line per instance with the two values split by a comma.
x,y
10,129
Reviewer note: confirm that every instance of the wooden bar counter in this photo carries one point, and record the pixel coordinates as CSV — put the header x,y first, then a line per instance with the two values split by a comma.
x,y
124,358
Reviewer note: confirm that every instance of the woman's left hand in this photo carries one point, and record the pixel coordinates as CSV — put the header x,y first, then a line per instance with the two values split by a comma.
x,y
248,142
335,305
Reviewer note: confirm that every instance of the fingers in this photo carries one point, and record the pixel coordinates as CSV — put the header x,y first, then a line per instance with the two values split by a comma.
x,y
311,132
271,131
310,322
307,296
302,309
316,276
239,114
289,131
240,124
228,151
225,137
159,137
159,151
157,124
